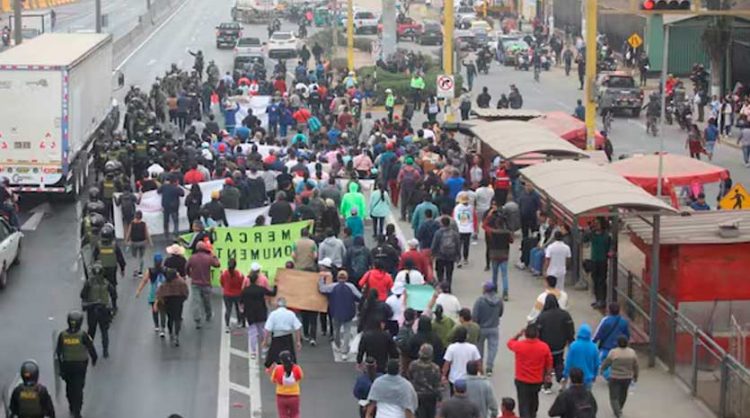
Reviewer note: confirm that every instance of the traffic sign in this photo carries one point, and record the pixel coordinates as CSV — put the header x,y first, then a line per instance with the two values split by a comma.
x,y
736,199
635,41
445,86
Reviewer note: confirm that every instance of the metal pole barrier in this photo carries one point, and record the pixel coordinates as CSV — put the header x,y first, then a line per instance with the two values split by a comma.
x,y
694,365
663,106
98,14
613,276
724,386
17,25
591,31
350,35
654,293
672,338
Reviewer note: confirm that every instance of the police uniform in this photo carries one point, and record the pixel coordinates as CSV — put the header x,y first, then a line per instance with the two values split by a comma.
x,y
109,187
96,296
31,402
109,254
74,348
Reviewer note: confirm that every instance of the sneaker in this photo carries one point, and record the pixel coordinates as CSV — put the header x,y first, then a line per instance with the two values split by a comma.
x,y
198,325
505,297
344,357
489,373
106,354
176,341
156,330
520,265
313,343
253,356
162,334
547,391
486,268
228,330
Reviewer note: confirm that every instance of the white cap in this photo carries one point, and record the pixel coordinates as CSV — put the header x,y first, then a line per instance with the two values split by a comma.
x,y
413,243
398,288
326,262
255,267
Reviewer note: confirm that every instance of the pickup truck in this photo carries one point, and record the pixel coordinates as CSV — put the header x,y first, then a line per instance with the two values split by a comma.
x,y
406,27
618,90
365,22
227,34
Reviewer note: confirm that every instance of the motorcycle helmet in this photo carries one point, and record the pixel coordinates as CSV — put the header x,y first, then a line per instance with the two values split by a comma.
x,y
75,320
108,232
30,372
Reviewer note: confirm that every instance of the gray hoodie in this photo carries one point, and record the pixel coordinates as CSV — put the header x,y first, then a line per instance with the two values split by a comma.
x,y
334,249
487,311
480,393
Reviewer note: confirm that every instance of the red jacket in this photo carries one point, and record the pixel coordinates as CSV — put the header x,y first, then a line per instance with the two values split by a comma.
x,y
420,260
533,359
193,176
502,181
231,284
378,280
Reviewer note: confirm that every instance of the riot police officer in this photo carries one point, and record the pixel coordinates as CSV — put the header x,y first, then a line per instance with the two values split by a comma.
x,y
96,297
73,351
110,185
30,399
109,254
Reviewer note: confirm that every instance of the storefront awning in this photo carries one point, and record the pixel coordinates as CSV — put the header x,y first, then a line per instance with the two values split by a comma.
x,y
511,139
506,114
677,170
579,187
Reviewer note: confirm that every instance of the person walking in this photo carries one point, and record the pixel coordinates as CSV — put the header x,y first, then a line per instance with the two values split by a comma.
x,y
96,301
155,276
74,348
231,286
283,332
363,384
287,377
446,250
425,376
487,311
601,243
584,355
378,279
305,252
199,270
466,220
459,405
254,308
623,362
138,238
342,307
557,330
378,344
392,395
30,399
498,238
170,298
171,192
743,139
457,356
541,300
556,258
379,208
609,330
533,365
576,401
479,391
425,335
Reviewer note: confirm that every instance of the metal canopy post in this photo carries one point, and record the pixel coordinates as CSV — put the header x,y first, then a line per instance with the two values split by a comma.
x,y
613,261
654,293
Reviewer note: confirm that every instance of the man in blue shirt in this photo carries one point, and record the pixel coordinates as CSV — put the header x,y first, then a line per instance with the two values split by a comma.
x,y
711,133
455,184
700,203
580,111
273,118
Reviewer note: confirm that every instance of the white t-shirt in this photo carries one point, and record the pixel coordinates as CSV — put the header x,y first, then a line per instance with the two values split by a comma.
x,y
450,305
558,254
459,354
397,306
415,277
389,410
484,199
464,216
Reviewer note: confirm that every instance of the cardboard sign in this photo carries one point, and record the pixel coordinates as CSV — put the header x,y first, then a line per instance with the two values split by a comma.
x,y
300,289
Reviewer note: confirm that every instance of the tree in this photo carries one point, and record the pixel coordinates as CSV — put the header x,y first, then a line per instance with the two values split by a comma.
x,y
716,40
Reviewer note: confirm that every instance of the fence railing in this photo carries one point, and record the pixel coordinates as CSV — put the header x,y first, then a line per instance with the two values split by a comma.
x,y
712,374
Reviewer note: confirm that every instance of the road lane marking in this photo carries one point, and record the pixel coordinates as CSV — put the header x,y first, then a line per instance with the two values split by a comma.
x,y
151,62
33,222
239,353
222,401
239,388
254,382
151,36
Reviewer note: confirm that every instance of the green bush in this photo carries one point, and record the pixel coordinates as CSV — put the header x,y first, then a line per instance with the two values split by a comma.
x,y
399,83
324,38
363,44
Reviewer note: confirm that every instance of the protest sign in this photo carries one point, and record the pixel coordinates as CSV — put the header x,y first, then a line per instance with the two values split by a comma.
x,y
300,289
418,296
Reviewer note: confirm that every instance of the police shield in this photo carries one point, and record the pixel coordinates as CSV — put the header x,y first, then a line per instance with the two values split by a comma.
x,y
56,365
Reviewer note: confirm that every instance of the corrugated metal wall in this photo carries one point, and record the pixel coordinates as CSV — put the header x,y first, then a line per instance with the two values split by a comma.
x,y
685,49
617,27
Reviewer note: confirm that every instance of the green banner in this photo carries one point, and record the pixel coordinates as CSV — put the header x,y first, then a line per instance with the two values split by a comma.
x,y
270,246
418,296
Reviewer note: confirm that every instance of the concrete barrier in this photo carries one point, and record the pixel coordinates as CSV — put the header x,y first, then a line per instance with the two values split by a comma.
x,y
6,6
159,10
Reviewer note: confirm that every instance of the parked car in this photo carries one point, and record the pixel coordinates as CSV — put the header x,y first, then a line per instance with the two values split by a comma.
x,y
511,49
431,34
618,91
407,28
227,34
283,45
365,22
464,13
243,63
10,249
250,47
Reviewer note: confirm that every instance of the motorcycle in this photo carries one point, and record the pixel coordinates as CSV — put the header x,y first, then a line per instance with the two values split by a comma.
x,y
6,37
302,31
523,62
607,64
684,116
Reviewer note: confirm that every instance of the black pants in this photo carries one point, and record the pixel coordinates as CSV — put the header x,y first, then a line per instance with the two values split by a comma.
x,y
427,406
528,226
310,324
599,276
174,317
528,399
174,215
465,243
558,363
444,270
326,323
407,206
279,344
99,315
110,273
159,317
464,114
378,224
392,327
74,374
526,245
618,394
229,303
501,197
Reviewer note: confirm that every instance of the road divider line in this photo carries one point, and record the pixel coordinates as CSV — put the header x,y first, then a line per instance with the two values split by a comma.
x,y
33,222
253,371
239,353
239,388
148,39
222,398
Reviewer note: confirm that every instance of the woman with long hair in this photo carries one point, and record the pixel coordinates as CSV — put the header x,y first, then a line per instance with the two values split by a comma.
x,y
171,297
379,208
193,202
231,286
156,276
287,376
253,303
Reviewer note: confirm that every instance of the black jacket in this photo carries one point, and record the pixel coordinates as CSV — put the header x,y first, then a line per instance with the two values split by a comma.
x,y
256,192
574,402
556,328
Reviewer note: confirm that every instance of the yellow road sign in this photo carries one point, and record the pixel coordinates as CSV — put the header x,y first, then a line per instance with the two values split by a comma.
x,y
736,199
635,40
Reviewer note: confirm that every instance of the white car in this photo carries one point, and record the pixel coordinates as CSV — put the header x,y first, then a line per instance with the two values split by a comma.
x,y
282,45
365,22
464,13
10,249
248,47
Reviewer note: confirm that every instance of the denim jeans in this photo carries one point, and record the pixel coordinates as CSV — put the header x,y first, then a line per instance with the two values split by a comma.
x,y
342,331
503,267
746,153
492,336
175,221
255,333
201,302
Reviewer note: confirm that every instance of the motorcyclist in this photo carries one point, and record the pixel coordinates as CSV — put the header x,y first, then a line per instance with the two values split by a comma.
x,y
653,110
302,31
8,201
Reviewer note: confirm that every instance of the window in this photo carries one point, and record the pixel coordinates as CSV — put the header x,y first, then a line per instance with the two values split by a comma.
x,y
249,42
364,15
281,36
620,82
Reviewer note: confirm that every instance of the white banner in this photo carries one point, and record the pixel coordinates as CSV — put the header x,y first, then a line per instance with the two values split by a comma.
x,y
152,211
258,104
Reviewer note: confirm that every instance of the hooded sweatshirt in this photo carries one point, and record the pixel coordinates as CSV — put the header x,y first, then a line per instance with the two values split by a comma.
x,y
353,199
584,354
487,311
555,325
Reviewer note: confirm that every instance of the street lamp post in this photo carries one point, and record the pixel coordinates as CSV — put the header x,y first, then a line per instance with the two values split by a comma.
x,y
350,34
591,31
98,14
17,13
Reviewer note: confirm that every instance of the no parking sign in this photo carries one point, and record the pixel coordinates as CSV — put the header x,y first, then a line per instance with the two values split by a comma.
x,y
445,86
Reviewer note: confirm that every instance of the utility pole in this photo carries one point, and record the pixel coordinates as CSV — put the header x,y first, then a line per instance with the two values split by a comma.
x,y
591,31
448,50
98,14
350,34
17,11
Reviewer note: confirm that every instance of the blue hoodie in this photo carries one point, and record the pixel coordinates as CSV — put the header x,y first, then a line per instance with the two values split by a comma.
x,y
583,354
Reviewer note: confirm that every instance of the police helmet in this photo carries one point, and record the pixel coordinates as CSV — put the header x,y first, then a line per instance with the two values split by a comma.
x,y
94,193
75,320
111,166
97,219
95,206
29,372
96,268
108,231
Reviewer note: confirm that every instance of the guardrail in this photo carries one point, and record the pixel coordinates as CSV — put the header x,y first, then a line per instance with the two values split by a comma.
x,y
146,22
709,371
